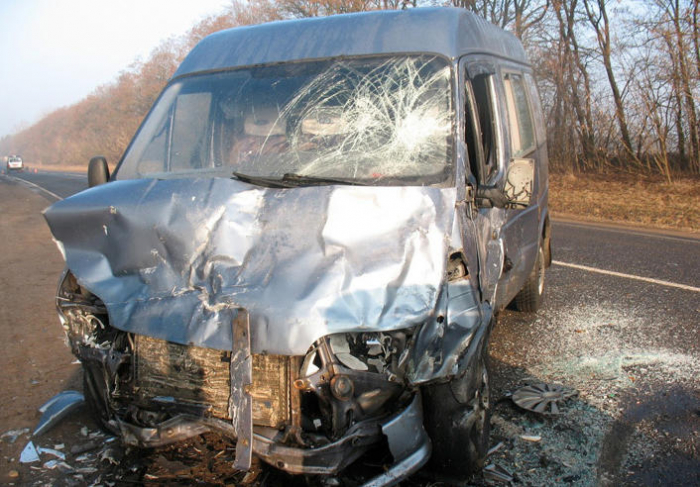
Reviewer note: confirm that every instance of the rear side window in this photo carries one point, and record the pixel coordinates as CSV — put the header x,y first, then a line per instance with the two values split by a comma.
x,y
522,135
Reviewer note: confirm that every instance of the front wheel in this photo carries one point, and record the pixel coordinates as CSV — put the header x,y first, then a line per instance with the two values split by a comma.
x,y
530,296
95,392
458,421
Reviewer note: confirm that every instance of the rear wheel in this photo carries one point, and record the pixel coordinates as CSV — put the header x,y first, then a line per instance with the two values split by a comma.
x,y
458,421
530,296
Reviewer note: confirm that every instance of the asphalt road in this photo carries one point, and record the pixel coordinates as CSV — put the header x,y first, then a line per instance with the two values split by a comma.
x,y
619,325
53,185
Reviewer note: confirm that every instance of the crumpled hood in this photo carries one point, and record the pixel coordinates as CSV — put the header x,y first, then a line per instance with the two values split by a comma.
x,y
172,258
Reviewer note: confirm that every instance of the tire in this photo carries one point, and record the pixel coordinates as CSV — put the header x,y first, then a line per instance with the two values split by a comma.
x,y
529,299
458,421
95,396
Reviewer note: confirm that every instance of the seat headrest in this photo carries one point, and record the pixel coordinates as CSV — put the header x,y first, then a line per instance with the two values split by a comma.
x,y
323,121
264,122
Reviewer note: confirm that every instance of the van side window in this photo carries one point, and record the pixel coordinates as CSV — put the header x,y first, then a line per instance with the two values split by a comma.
x,y
483,95
522,137
189,145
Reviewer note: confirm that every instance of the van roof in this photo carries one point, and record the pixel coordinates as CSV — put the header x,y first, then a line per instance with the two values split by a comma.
x,y
450,32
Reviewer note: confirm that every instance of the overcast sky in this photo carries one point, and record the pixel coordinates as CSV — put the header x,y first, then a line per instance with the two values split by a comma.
x,y
55,52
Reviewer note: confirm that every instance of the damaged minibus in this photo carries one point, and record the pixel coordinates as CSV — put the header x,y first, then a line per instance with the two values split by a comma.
x,y
304,246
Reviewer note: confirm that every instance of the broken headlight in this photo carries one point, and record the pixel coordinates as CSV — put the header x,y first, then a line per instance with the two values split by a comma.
x,y
82,315
349,377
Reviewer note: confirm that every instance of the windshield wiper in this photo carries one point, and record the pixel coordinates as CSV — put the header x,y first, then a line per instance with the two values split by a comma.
x,y
319,180
263,181
292,180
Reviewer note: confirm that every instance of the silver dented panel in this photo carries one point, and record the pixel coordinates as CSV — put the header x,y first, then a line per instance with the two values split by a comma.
x,y
171,258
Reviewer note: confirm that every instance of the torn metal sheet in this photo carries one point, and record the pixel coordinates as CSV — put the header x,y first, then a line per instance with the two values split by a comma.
x,y
241,402
491,252
57,408
542,398
305,263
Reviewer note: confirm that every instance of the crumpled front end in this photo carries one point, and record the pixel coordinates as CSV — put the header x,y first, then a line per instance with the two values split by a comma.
x,y
299,322
311,414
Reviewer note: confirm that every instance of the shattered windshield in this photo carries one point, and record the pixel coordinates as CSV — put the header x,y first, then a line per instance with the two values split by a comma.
x,y
378,120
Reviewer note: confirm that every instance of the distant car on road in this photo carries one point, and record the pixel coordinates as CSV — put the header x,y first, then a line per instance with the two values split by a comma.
x,y
14,163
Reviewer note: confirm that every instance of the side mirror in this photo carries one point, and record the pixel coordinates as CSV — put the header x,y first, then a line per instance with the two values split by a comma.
x,y
520,180
98,171
517,188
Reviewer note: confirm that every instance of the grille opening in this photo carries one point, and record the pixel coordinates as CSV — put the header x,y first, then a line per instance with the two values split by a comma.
x,y
200,377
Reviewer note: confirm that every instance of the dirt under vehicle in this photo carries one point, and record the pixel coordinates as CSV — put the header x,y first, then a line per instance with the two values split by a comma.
x,y
305,243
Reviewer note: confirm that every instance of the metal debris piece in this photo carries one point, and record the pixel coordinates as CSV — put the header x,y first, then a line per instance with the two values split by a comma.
x,y
542,398
29,454
494,472
112,454
87,446
241,402
57,408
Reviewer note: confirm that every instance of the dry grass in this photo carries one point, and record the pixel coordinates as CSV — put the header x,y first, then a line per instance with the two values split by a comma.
x,y
623,198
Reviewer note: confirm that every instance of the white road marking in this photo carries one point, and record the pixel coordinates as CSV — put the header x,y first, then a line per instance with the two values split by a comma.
x,y
628,276
38,187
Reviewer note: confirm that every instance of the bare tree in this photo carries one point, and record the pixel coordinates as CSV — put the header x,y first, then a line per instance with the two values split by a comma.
x,y
597,13
518,14
675,38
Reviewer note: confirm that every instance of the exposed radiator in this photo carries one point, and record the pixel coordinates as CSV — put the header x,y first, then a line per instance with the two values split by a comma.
x,y
201,377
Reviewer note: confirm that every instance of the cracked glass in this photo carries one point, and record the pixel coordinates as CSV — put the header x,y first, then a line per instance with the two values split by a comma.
x,y
374,120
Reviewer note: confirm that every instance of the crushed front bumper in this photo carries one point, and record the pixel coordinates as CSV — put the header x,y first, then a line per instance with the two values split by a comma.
x,y
408,442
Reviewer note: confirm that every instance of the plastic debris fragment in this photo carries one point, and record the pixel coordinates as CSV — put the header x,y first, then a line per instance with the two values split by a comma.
x,y
57,408
14,434
62,466
58,397
495,449
51,451
29,454
542,398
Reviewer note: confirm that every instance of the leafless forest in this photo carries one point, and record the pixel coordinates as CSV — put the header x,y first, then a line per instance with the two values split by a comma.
x,y
619,80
